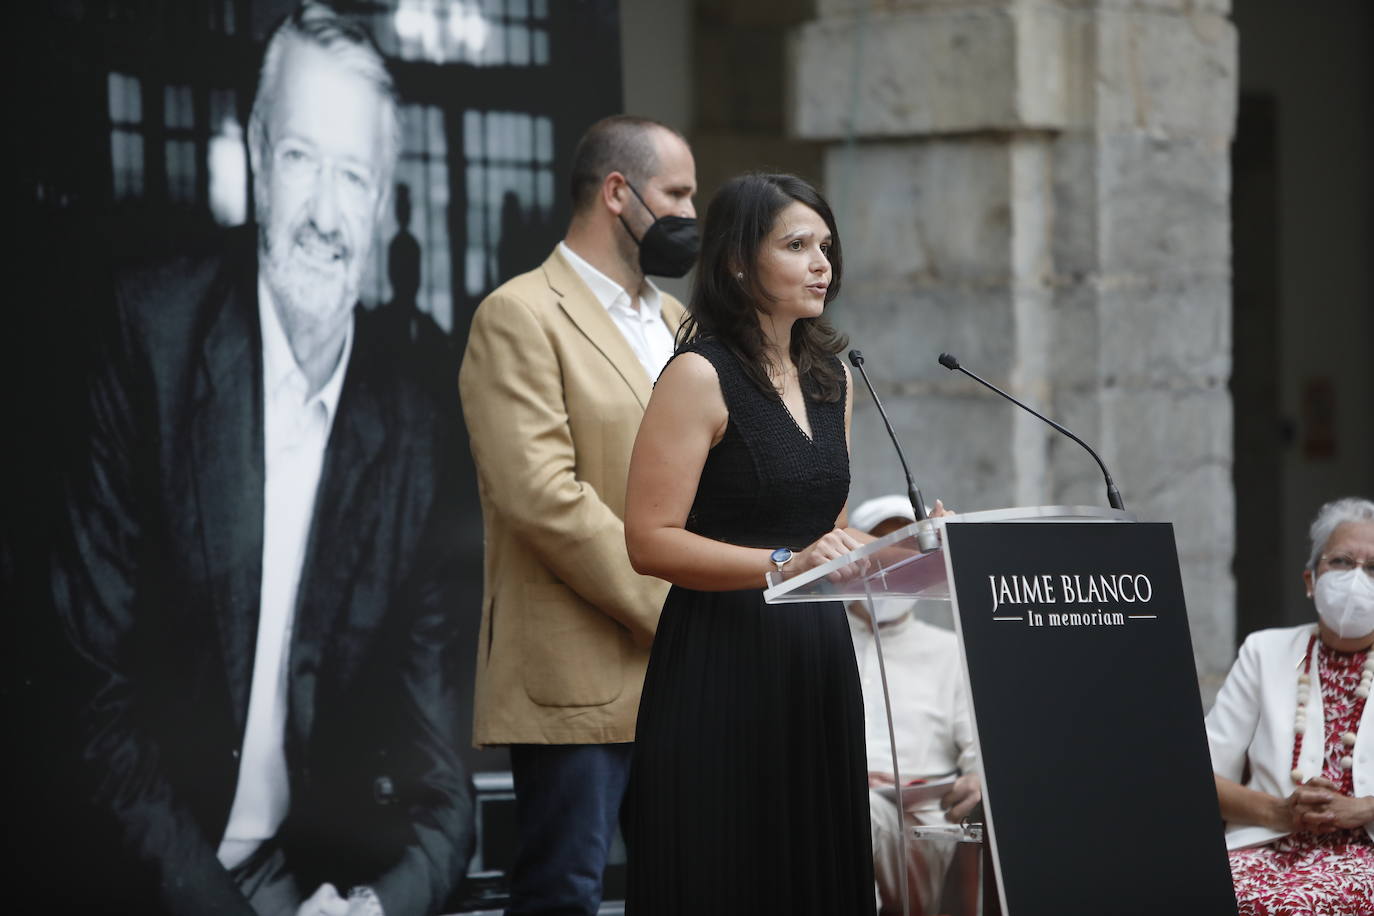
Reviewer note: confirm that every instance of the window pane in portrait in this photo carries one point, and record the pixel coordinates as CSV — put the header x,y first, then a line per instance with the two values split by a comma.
x,y
419,228
513,195
500,135
411,173
436,144
413,24
543,193
119,167
494,50
423,171
540,53
477,198
472,134
376,287
467,32
436,180
440,282
181,171
114,98
519,50
136,181
178,107
368,288
412,128
491,210
522,183
125,95
517,9
541,9
543,139
474,271
438,271
224,108
522,137
126,162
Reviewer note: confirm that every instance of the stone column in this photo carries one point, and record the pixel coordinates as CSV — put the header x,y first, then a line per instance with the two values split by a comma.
x,y
1042,189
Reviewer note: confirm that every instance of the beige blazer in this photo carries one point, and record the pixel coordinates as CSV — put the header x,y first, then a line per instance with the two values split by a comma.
x,y
553,396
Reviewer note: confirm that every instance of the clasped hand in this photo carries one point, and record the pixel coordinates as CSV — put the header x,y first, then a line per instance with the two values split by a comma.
x,y
1318,806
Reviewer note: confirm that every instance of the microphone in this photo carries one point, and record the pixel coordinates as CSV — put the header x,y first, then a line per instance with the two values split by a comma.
x,y
918,503
1113,494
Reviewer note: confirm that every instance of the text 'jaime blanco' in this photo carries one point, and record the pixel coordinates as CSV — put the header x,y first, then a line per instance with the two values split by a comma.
x,y
1079,599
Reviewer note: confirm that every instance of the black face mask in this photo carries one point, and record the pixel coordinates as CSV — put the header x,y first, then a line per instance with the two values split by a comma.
x,y
669,246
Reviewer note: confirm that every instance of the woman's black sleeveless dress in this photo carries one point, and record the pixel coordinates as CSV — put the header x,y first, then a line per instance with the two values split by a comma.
x,y
748,793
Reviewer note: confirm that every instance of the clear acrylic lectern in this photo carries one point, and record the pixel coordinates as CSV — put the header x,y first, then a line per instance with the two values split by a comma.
x,y
896,566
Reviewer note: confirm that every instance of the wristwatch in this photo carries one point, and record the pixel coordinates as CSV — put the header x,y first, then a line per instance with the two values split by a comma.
x,y
781,557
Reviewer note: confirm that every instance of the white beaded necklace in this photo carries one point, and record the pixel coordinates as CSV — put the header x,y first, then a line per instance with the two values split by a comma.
x,y
1300,718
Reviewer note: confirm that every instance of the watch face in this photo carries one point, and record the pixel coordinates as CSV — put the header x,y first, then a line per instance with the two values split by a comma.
x,y
782,555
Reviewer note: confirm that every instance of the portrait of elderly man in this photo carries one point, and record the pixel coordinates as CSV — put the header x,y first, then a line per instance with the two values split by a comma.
x,y
253,575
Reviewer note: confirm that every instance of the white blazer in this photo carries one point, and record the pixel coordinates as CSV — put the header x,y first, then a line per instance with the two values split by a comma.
x,y
1252,721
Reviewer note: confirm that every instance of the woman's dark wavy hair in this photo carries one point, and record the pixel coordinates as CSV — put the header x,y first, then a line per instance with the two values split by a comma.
x,y
739,219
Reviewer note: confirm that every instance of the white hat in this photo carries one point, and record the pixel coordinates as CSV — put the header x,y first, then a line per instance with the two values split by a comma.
x,y
867,515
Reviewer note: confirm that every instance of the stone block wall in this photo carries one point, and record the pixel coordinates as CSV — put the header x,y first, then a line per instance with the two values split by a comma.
x,y
1041,188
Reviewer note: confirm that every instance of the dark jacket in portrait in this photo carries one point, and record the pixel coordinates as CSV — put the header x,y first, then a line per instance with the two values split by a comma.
x,y
158,588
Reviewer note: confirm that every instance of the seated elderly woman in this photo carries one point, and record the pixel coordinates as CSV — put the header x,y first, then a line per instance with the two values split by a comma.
x,y
1292,738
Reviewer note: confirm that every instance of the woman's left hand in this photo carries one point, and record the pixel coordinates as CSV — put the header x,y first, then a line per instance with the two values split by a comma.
x,y
1333,810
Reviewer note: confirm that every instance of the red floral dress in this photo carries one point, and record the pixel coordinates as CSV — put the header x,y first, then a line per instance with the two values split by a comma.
x,y
1309,874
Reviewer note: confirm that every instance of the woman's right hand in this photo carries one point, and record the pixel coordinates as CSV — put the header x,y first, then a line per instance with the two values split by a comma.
x,y
829,546
1305,808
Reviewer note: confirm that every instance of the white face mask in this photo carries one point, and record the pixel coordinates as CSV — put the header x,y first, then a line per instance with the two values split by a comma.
x,y
1345,601
887,610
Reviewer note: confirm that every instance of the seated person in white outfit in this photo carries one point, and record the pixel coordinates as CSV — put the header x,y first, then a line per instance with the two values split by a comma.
x,y
1292,738
931,722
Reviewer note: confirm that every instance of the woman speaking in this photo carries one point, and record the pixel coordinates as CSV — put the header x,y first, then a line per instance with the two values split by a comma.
x,y
748,792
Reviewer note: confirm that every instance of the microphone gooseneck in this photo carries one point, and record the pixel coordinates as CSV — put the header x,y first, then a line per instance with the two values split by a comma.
x,y
928,540
1113,494
918,504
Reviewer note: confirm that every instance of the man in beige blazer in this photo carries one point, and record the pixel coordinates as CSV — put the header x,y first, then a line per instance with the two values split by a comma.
x,y
559,364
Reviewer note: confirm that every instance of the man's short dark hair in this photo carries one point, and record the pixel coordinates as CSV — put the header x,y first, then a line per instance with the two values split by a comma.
x,y
620,143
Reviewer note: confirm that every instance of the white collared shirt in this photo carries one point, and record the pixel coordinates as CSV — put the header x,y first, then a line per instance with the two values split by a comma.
x,y
643,328
295,434
930,710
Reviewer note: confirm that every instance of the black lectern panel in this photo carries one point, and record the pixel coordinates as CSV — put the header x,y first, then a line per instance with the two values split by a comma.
x,y
1099,788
